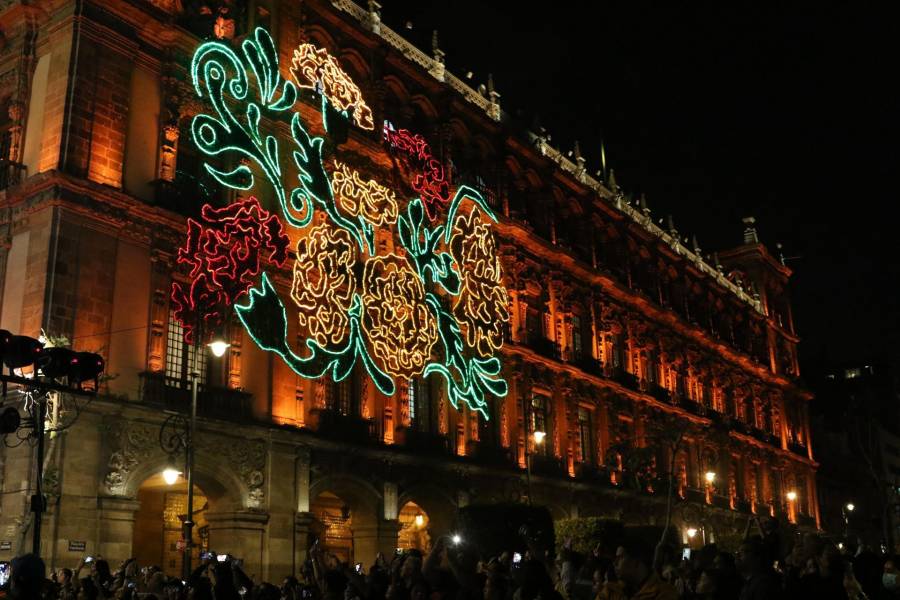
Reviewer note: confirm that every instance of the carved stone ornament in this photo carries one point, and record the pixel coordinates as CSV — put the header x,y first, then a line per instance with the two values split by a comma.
x,y
135,443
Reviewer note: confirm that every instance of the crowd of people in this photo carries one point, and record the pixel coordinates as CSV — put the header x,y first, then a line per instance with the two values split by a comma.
x,y
622,567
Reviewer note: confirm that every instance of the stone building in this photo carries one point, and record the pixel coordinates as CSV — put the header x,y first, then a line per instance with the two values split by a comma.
x,y
641,361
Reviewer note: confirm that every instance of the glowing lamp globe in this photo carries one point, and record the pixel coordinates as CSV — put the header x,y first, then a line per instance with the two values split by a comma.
x,y
850,507
170,476
792,495
539,436
219,347
710,477
691,532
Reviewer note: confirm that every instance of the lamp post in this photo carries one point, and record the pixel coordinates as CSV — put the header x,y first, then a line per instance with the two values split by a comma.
x,y
177,435
538,437
845,512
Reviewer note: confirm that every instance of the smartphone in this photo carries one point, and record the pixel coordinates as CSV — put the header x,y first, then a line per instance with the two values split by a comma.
x,y
88,559
359,567
517,558
686,554
4,574
221,557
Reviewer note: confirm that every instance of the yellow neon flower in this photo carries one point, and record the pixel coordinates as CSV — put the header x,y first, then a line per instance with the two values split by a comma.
x,y
482,306
396,320
324,283
369,199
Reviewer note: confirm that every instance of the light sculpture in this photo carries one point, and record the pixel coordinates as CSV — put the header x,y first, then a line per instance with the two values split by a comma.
x,y
433,305
311,66
427,175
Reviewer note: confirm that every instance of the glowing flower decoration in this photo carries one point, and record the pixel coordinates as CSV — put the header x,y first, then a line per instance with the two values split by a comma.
x,y
324,283
312,66
368,199
427,176
397,322
224,251
482,306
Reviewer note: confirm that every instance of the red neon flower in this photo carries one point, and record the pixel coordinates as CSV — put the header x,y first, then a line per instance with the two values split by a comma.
x,y
430,181
223,251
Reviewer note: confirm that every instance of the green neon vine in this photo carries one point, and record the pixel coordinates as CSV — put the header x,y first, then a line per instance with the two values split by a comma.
x,y
265,319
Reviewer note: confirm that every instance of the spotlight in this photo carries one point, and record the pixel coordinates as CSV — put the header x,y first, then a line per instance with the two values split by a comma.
x,y
21,351
86,366
57,362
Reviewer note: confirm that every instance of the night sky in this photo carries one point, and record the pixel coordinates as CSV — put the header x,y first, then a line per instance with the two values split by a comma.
x,y
716,112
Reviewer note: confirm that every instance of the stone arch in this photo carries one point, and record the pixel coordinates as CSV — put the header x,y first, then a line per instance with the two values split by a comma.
x,y
356,66
436,502
225,490
317,36
422,104
366,507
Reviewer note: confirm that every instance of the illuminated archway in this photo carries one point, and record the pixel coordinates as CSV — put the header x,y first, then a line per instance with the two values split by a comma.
x,y
158,524
414,528
334,525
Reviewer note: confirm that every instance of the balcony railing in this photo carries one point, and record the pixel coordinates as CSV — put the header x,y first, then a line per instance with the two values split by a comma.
x,y
424,442
174,394
544,347
11,173
334,424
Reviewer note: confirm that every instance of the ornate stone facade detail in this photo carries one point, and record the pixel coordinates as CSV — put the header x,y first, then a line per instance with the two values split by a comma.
x,y
131,444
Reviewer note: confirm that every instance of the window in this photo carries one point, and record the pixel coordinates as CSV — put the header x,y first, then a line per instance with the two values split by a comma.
x,y
181,357
576,337
411,398
539,406
584,434
418,396
339,398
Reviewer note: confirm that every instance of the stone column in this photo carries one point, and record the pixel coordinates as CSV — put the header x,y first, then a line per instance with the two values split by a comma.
x,y
241,534
117,516
304,535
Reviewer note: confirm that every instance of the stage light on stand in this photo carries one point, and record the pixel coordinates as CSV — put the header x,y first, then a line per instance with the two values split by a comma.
x,y
56,363
85,367
21,351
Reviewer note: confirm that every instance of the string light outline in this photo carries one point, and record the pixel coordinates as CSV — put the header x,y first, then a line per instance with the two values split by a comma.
x,y
311,66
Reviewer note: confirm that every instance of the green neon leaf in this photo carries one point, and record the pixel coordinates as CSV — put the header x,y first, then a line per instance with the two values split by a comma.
x,y
239,178
421,246
265,319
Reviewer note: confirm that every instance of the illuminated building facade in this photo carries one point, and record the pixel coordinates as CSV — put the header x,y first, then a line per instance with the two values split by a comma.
x,y
411,287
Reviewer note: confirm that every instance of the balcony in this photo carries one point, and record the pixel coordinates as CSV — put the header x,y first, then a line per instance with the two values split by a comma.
x,y
695,495
490,454
11,173
334,424
174,394
544,347
423,442
550,466
660,393
742,506
798,448
765,437
589,364
623,378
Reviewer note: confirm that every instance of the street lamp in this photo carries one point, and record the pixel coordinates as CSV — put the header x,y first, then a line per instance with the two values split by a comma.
x,y
845,512
691,532
177,435
538,437
171,475
710,477
218,347
791,495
